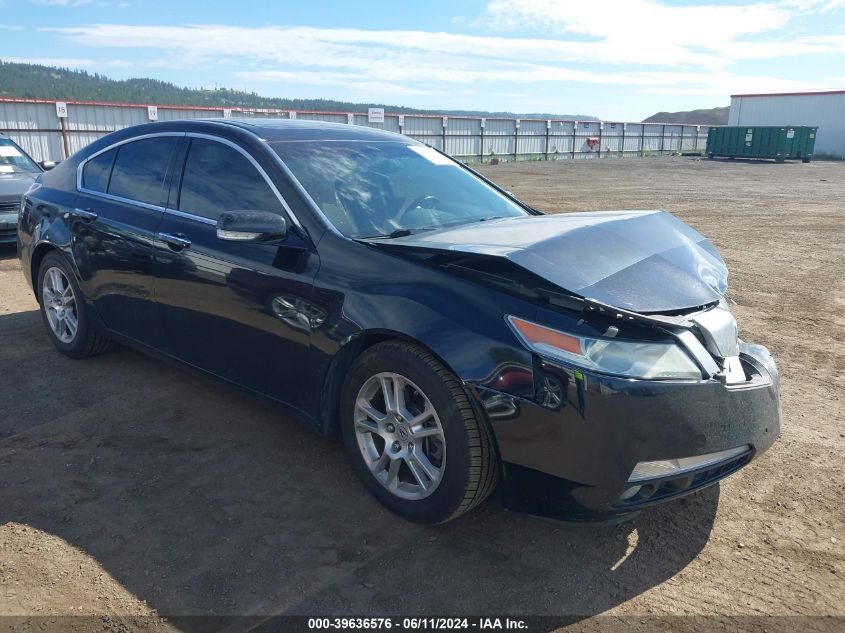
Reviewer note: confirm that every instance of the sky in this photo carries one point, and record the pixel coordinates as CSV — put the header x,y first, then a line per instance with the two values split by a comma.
x,y
614,59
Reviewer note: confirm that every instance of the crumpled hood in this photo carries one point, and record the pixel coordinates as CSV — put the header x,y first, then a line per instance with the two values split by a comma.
x,y
643,261
13,186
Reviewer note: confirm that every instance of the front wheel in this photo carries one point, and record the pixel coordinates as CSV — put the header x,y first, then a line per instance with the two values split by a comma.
x,y
413,436
64,311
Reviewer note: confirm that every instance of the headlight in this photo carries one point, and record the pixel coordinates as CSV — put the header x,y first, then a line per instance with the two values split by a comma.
x,y
632,359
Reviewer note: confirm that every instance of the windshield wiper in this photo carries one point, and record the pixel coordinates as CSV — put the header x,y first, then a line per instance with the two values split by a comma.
x,y
388,236
407,232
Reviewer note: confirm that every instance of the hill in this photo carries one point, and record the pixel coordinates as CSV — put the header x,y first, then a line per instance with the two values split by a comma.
x,y
713,116
32,81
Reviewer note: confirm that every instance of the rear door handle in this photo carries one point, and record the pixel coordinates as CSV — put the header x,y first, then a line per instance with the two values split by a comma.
x,y
85,214
177,242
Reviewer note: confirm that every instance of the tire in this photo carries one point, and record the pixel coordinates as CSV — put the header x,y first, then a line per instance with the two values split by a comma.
x,y
84,340
454,439
710,155
806,160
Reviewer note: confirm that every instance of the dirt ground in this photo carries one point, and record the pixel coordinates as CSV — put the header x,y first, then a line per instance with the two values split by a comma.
x,y
129,487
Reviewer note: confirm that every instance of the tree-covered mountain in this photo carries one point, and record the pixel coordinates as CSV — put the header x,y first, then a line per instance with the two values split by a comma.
x,y
32,81
712,116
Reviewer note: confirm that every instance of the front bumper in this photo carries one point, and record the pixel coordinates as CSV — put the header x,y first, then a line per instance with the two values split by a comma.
x,y
571,457
8,227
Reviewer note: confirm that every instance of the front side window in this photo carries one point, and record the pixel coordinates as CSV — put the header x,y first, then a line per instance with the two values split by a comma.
x,y
13,160
140,168
97,171
370,188
218,178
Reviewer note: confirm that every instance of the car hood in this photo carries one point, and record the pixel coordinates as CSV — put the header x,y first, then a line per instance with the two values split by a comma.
x,y
13,186
643,261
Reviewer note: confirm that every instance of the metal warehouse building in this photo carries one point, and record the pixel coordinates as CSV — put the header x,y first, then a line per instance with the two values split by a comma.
x,y
823,109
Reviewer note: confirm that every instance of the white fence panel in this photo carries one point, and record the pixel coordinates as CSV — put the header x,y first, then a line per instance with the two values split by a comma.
x,y
463,146
35,126
329,117
531,146
39,145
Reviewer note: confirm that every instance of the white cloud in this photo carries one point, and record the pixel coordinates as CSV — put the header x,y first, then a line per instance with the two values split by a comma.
x,y
623,20
620,50
62,3
61,62
354,81
70,62
646,28
297,43
628,33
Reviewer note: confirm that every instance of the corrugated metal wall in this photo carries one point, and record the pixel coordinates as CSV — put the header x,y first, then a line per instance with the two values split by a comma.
x,y
35,125
825,111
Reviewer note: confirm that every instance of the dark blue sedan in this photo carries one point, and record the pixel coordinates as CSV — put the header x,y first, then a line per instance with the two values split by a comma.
x,y
583,365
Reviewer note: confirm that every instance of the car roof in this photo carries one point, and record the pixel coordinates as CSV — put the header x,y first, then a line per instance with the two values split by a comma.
x,y
273,130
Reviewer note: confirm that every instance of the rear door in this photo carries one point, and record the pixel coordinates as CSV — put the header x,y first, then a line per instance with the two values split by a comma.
x,y
235,309
119,208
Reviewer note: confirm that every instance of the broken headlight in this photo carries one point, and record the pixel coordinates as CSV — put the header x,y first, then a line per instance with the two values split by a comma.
x,y
650,360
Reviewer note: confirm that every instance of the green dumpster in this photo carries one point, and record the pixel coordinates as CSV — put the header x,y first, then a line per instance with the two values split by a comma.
x,y
777,142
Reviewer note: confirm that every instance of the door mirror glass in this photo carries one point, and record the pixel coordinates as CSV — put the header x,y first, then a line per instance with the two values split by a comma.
x,y
251,226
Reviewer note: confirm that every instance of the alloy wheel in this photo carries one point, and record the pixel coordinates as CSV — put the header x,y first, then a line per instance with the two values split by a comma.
x,y
60,305
400,436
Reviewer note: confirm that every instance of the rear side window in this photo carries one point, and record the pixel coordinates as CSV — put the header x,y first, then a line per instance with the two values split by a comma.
x,y
140,168
96,173
218,178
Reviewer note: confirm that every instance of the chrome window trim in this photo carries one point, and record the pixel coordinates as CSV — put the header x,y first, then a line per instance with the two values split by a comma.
x,y
190,216
82,164
259,168
184,214
108,196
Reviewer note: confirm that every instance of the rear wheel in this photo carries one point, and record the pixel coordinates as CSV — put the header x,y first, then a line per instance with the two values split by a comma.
x,y
64,311
413,436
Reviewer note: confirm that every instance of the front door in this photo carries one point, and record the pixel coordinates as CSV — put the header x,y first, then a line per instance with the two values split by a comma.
x,y
227,305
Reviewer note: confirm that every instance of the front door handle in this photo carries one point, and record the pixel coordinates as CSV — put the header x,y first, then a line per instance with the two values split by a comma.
x,y
177,242
84,214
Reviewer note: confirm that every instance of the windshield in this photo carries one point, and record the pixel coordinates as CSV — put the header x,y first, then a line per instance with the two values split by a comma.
x,y
369,189
13,160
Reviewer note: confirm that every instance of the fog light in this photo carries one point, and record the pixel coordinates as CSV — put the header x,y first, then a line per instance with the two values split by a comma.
x,y
670,467
630,492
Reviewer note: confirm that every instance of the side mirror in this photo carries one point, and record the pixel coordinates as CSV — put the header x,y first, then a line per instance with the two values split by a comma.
x,y
47,165
251,226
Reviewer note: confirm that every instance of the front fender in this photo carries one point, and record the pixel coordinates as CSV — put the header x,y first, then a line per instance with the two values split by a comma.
x,y
370,295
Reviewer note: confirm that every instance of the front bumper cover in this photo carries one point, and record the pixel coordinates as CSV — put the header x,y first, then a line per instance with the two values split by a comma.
x,y
571,456
8,227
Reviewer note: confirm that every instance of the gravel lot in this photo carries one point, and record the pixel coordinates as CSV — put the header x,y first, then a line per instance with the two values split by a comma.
x,y
130,487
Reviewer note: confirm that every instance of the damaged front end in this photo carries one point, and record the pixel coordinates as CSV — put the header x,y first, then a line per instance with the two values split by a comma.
x,y
603,439
643,391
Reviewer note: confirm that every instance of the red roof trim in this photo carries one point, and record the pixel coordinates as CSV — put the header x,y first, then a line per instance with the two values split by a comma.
x,y
235,109
792,94
280,110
